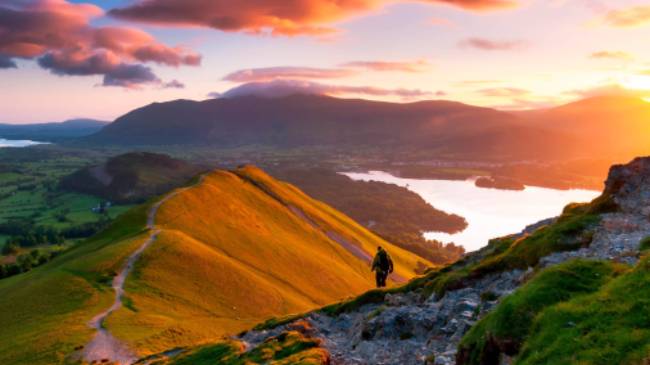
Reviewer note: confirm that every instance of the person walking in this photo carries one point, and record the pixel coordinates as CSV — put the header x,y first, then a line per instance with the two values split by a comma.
x,y
382,265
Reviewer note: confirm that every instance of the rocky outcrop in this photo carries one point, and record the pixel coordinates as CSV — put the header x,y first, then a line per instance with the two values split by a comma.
x,y
409,327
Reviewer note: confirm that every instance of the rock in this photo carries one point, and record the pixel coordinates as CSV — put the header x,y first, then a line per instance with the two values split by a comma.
x,y
408,329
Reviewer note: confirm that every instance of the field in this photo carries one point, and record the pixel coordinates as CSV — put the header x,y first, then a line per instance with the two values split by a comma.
x,y
29,189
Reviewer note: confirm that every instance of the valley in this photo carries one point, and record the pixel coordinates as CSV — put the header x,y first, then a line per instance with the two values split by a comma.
x,y
324,182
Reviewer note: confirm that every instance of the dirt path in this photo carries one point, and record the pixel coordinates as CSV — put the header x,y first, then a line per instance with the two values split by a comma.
x,y
104,348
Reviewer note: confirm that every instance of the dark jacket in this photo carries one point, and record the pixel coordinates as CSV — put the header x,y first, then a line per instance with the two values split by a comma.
x,y
382,261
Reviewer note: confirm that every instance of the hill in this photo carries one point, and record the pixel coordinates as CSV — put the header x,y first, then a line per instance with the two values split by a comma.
x,y
617,127
131,177
569,290
73,128
235,249
445,127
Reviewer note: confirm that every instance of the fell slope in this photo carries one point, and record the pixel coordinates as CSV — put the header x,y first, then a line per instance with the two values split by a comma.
x,y
44,313
569,290
238,249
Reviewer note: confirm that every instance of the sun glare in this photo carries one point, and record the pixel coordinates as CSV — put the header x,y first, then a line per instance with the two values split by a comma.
x,y
638,82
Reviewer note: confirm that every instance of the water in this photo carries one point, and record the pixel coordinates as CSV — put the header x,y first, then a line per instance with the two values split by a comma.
x,y
18,143
489,213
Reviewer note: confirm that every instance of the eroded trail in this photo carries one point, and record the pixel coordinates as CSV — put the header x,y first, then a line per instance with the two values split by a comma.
x,y
104,347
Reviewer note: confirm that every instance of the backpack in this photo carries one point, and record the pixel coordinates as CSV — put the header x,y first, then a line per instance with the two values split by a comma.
x,y
384,264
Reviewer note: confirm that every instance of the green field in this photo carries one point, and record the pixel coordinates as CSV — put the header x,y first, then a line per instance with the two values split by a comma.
x,y
30,193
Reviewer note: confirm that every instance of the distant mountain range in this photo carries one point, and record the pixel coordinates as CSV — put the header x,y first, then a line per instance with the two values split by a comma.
x,y
73,128
605,126
311,120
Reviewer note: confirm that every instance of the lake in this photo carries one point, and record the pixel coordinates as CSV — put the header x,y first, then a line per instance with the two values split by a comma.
x,y
489,213
18,143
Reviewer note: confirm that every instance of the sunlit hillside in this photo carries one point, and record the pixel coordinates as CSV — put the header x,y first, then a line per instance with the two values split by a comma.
x,y
234,249
237,249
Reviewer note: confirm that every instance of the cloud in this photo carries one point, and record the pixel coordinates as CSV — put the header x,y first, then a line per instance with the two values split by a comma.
x,y
607,90
130,76
504,92
525,104
273,73
281,88
383,66
612,55
174,84
277,17
628,17
59,36
465,83
492,45
6,62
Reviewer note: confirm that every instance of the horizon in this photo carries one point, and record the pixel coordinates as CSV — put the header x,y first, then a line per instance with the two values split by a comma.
x,y
110,57
111,120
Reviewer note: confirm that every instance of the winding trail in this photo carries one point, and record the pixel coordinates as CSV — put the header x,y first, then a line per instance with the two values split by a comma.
x,y
104,347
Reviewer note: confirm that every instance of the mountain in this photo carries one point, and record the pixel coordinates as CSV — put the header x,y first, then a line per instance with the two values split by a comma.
x,y
310,120
73,128
131,177
616,127
573,289
212,259
444,128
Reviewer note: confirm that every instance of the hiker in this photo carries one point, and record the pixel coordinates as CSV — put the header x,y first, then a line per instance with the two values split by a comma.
x,y
382,265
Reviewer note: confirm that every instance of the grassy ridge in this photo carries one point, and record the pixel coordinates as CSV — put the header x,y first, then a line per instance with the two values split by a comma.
x,y
505,329
233,253
43,313
610,326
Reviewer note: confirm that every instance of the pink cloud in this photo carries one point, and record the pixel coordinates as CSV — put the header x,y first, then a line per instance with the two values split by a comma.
x,y
493,45
504,92
58,34
280,88
383,66
277,17
273,73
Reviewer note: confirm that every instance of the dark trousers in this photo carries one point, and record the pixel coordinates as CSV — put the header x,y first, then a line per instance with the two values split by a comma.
x,y
380,278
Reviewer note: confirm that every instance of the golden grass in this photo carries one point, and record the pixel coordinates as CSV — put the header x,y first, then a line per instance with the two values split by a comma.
x,y
232,253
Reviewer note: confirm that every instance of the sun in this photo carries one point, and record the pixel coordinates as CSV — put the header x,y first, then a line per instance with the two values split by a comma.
x,y
637,82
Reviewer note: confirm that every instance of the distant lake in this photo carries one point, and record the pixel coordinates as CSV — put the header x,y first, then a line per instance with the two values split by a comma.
x,y
18,143
489,213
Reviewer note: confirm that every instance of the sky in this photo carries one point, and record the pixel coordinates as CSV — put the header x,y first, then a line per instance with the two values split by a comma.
x,y
62,59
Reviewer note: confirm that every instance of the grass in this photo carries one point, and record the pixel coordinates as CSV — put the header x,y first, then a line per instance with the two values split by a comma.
x,y
44,313
232,254
644,245
506,328
610,326
287,348
571,231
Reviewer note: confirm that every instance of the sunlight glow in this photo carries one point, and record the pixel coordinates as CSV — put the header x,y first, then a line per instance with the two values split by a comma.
x,y
637,82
